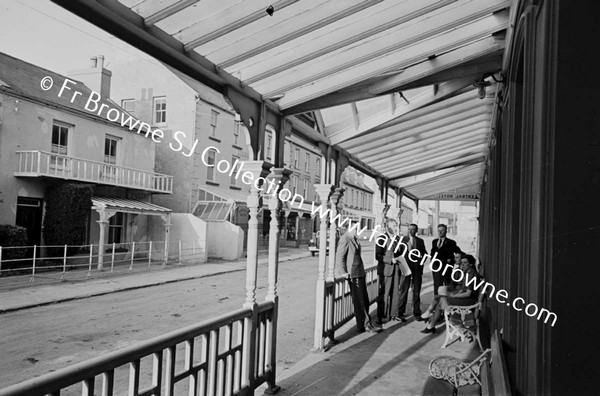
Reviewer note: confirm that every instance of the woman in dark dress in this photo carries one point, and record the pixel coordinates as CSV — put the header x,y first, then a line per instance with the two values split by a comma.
x,y
463,295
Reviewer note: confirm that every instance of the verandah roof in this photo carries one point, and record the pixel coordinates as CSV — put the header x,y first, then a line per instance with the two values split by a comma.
x,y
392,80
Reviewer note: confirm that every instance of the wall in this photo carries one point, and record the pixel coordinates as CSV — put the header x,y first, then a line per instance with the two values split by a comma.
x,y
184,227
543,172
224,240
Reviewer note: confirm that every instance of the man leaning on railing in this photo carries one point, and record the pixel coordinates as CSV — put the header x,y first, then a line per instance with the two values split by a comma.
x,y
349,263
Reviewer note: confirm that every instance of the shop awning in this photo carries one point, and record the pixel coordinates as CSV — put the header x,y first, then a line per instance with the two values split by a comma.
x,y
127,206
357,214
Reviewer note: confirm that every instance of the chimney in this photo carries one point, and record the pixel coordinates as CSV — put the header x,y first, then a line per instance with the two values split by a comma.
x,y
96,77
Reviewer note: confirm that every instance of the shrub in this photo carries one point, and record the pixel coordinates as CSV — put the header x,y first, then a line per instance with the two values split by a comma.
x,y
67,208
12,236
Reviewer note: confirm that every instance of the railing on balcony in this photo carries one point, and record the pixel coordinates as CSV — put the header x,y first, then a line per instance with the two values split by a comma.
x,y
338,301
229,355
43,163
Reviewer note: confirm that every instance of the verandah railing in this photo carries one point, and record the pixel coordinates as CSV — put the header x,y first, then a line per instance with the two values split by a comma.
x,y
31,264
229,355
338,301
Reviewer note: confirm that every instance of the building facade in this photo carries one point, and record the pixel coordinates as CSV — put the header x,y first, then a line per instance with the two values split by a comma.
x,y
201,131
49,138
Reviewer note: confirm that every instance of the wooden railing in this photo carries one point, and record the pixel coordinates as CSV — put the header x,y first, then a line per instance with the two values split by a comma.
x,y
42,163
229,355
338,301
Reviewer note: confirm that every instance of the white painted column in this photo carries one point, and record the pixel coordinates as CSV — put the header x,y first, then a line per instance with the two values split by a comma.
x,y
103,223
167,219
334,199
253,170
278,175
323,190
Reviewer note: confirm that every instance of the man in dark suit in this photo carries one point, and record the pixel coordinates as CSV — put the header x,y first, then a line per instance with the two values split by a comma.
x,y
445,249
415,252
348,263
387,266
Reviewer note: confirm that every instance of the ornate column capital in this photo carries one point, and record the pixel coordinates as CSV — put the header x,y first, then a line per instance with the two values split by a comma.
x,y
324,191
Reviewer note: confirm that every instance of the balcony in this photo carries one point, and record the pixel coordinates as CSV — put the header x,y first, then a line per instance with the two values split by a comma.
x,y
35,163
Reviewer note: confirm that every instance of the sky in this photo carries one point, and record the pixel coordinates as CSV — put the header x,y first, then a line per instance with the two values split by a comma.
x,y
44,34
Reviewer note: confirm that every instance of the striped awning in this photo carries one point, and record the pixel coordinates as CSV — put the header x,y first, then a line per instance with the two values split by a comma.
x,y
127,206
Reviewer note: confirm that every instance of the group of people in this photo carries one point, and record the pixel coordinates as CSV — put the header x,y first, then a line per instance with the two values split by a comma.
x,y
394,285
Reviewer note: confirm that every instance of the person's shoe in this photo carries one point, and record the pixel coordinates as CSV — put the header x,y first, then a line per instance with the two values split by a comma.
x,y
428,330
419,318
369,327
361,330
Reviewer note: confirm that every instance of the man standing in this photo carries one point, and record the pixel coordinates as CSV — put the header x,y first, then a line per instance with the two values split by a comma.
x,y
445,249
415,252
348,263
386,254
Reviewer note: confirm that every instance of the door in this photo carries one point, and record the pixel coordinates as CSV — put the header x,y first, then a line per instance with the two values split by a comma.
x,y
29,215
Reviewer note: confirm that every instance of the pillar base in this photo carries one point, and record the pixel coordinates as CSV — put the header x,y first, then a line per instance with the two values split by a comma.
x,y
272,390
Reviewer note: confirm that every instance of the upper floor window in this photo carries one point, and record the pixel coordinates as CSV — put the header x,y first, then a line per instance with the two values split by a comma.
x,y
296,157
306,161
160,109
318,171
110,149
305,187
269,147
294,183
128,105
214,115
210,170
234,173
60,138
236,133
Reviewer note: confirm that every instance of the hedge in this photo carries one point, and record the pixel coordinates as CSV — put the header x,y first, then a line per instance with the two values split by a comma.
x,y
67,209
10,236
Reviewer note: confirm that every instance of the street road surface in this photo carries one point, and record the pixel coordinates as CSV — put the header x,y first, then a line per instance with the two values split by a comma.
x,y
39,340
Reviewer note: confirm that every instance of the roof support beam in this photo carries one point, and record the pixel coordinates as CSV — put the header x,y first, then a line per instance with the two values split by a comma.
x,y
444,90
115,18
482,49
313,81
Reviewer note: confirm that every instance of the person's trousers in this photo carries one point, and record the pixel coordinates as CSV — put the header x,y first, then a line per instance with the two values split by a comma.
x,y
415,279
360,300
437,281
392,284
381,297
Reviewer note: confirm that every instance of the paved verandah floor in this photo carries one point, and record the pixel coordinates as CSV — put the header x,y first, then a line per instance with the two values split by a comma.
x,y
392,362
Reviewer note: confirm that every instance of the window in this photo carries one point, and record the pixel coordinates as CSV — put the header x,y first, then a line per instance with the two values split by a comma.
x,y
306,161
268,147
318,171
116,225
213,122
293,183
210,170
60,138
128,105
110,150
296,157
160,109
233,159
305,187
236,133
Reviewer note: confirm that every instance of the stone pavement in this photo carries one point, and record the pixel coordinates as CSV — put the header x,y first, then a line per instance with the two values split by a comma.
x,y
38,295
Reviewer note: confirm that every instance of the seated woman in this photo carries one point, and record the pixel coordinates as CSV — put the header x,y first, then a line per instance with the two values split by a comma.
x,y
457,257
463,296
